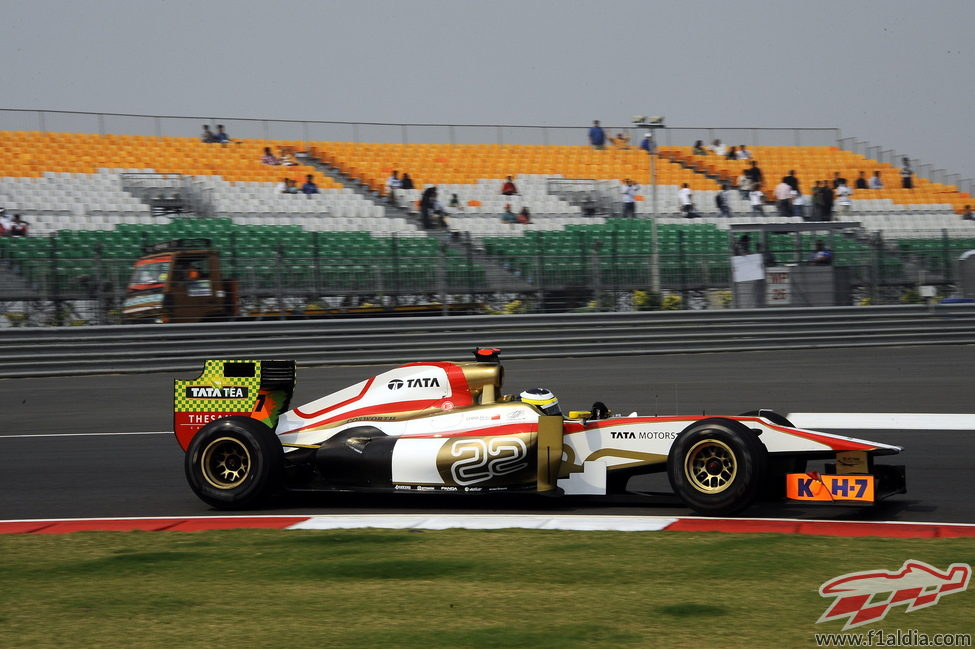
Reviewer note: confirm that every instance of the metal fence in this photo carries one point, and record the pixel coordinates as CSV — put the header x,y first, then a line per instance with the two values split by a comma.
x,y
184,347
895,158
58,286
324,130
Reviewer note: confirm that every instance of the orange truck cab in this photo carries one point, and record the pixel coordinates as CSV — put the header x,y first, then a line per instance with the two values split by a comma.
x,y
179,281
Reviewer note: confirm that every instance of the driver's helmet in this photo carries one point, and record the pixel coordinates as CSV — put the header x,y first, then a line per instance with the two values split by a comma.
x,y
542,398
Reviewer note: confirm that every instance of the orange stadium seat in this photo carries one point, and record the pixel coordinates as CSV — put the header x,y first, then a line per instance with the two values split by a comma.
x,y
30,153
435,164
812,163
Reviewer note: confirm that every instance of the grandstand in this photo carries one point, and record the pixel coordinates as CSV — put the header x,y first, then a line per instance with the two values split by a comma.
x,y
94,200
78,181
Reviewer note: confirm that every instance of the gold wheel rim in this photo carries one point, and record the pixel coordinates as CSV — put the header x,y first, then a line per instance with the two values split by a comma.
x,y
226,463
710,466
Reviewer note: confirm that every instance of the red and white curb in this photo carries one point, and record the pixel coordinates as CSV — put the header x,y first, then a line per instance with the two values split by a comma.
x,y
483,522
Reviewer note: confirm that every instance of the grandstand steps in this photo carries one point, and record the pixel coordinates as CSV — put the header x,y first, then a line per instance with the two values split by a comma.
x,y
680,162
461,246
351,182
163,193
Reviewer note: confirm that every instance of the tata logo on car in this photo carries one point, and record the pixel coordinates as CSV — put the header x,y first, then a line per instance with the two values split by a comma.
x,y
622,434
214,392
422,382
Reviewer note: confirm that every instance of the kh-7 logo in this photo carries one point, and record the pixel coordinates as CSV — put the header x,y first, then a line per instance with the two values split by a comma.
x,y
839,487
916,584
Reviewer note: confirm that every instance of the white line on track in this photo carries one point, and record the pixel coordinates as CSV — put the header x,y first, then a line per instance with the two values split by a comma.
x,y
489,522
84,434
814,420
883,420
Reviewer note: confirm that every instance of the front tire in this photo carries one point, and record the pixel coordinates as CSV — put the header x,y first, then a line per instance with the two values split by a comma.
x,y
234,463
717,466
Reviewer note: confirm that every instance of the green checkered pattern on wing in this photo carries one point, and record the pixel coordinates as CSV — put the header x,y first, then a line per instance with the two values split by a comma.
x,y
213,376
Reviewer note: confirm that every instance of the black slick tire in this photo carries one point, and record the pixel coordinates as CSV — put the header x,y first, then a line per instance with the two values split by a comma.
x,y
234,463
717,466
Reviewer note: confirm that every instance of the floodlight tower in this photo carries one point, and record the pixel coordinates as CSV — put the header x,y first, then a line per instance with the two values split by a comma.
x,y
652,123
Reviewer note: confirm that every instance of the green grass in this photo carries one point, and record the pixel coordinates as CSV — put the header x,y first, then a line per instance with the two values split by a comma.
x,y
455,588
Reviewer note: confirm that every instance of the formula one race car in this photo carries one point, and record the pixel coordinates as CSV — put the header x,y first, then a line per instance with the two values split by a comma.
x,y
446,427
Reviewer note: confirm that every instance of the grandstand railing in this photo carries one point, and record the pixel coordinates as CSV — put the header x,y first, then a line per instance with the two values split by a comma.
x,y
895,158
323,130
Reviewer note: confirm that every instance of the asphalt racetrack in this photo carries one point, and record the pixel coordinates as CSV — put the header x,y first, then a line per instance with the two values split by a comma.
x,y
97,446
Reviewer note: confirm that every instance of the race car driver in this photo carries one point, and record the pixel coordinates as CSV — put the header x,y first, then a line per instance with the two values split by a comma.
x,y
542,398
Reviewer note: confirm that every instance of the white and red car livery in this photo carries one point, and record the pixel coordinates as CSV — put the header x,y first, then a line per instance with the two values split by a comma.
x,y
446,427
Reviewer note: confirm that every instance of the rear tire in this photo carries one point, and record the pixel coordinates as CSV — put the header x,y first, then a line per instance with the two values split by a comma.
x,y
234,463
717,466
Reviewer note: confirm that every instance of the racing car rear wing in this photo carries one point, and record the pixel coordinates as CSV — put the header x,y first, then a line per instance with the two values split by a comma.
x,y
261,390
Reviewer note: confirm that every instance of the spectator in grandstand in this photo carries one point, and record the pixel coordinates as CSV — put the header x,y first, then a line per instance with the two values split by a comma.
x,y
221,135
798,204
699,148
827,194
754,173
686,199
791,180
817,201
843,194
732,153
18,227
907,174
822,256
508,216
967,214
286,186
287,158
455,203
440,213
524,216
629,191
269,158
621,141
838,180
406,182
597,137
876,182
743,153
392,184
757,199
309,187
722,200
744,185
783,198
207,135
427,200
508,188
647,143
718,149
861,181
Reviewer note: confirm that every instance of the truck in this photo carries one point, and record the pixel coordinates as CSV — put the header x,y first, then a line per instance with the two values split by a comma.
x,y
180,281
183,281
